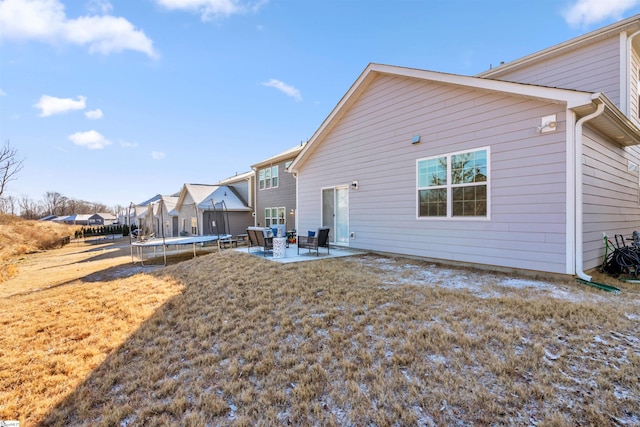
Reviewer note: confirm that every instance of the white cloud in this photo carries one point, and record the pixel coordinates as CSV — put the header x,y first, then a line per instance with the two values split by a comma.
x,y
284,88
91,139
586,12
2,93
128,144
209,9
157,155
94,114
46,21
50,105
102,7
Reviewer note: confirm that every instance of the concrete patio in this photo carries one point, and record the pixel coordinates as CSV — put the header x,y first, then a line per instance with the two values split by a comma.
x,y
305,255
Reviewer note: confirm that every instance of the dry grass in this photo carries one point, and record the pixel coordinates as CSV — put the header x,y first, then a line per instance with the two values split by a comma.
x,y
231,339
19,237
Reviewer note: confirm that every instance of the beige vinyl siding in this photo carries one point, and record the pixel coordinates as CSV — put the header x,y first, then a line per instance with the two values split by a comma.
x,y
372,144
188,211
592,68
610,194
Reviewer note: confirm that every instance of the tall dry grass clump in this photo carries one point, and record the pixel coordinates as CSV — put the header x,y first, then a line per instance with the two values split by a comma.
x,y
19,237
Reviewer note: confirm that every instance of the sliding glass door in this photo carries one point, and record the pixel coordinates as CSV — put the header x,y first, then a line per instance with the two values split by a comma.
x,y
335,213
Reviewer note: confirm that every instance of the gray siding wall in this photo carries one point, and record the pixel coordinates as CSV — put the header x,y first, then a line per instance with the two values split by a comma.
x,y
610,194
239,222
372,144
282,196
594,68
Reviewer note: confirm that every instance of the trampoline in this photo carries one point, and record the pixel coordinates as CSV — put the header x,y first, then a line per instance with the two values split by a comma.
x,y
172,241
221,225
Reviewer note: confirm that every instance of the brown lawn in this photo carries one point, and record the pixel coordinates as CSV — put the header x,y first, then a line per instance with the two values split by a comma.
x,y
226,338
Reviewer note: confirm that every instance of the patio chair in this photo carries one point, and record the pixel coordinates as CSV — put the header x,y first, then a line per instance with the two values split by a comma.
x,y
320,239
257,239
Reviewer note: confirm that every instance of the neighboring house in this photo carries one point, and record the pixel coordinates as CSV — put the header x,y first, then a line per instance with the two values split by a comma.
x,y
75,219
157,213
244,186
199,210
102,219
48,218
275,192
140,215
163,215
473,170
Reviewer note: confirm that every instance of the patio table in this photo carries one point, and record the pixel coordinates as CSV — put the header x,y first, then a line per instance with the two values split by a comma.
x,y
279,247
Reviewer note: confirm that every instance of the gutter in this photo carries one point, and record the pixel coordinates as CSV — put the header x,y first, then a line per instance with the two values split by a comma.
x,y
578,211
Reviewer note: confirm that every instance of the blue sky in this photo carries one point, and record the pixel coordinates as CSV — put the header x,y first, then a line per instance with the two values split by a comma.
x,y
116,101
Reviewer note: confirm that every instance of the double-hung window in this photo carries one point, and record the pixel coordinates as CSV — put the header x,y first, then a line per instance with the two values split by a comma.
x,y
268,177
454,185
273,216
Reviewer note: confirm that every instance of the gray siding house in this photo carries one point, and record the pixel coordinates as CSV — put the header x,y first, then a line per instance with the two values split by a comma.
x,y
102,219
472,170
275,190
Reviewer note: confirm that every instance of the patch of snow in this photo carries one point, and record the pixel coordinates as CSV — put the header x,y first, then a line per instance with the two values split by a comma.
x,y
482,285
632,316
233,409
128,421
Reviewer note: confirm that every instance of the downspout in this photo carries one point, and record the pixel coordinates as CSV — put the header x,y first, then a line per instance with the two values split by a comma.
x,y
625,70
295,176
578,220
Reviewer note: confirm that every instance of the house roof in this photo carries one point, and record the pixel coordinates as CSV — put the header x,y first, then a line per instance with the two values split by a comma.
x,y
285,155
77,217
197,192
103,215
630,24
151,200
170,202
223,193
237,177
206,195
582,102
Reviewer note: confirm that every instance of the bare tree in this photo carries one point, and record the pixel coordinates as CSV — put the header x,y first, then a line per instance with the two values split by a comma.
x,y
10,165
29,209
54,202
8,205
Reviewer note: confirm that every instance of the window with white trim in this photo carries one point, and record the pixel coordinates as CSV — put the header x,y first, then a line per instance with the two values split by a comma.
x,y
273,216
268,177
453,185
